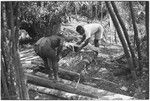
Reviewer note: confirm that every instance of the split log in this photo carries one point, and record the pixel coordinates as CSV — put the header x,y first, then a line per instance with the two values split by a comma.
x,y
58,93
84,90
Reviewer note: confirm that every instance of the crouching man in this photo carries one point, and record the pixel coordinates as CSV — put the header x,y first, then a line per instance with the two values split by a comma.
x,y
87,31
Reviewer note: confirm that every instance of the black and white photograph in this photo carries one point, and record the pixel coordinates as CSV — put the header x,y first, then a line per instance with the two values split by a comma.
x,y
74,50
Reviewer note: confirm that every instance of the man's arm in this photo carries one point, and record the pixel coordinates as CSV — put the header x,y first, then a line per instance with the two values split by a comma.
x,y
83,38
83,45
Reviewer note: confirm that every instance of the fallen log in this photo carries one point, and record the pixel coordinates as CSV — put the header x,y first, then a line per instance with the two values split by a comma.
x,y
73,76
58,93
36,95
57,85
65,74
68,86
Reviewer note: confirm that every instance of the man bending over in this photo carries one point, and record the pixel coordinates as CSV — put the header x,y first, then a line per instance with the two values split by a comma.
x,y
87,31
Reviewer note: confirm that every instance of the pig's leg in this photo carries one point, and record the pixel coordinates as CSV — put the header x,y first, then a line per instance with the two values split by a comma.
x,y
55,67
48,66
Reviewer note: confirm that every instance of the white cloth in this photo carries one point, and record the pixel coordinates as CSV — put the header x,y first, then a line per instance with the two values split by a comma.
x,y
94,29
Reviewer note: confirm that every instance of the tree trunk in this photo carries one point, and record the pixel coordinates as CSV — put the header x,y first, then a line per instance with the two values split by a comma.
x,y
101,10
116,24
96,15
112,29
7,14
6,52
4,83
147,34
125,32
20,79
136,36
147,26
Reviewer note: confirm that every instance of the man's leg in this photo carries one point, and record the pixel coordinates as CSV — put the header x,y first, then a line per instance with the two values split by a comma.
x,y
96,42
97,37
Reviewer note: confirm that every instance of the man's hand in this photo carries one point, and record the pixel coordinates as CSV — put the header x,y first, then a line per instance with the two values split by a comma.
x,y
82,39
73,46
77,48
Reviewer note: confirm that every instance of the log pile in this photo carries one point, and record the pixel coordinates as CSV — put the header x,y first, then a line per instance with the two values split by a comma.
x,y
60,94
68,86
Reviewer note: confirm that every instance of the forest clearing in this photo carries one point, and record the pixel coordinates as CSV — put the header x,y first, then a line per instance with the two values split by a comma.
x,y
116,69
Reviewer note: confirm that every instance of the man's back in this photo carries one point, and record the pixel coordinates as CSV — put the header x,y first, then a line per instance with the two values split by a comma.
x,y
92,28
